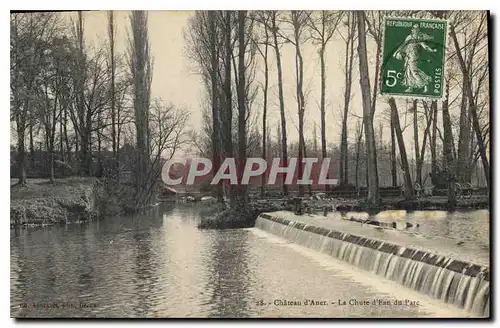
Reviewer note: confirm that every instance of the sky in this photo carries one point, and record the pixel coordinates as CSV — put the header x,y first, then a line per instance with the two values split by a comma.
x,y
175,79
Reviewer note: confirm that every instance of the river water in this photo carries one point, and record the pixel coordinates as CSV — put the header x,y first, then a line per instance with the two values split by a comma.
x,y
162,265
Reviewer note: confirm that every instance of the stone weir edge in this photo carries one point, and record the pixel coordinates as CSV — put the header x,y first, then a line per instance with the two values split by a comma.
x,y
459,266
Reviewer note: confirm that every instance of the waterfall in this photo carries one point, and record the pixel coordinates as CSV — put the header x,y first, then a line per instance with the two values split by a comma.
x,y
464,285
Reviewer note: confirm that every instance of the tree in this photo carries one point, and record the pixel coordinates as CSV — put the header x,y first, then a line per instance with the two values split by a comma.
x,y
408,186
30,35
374,22
323,26
215,92
242,143
394,174
421,152
141,72
262,16
359,137
466,69
298,20
82,119
52,92
349,59
434,111
447,150
284,154
373,189
207,35
112,65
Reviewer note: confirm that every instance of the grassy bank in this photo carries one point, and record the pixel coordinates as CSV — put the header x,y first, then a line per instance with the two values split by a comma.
x,y
43,203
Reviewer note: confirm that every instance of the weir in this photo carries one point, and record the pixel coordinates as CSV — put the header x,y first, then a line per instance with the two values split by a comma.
x,y
455,281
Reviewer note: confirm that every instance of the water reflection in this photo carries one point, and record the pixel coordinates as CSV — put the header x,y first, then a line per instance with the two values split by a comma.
x,y
228,273
162,265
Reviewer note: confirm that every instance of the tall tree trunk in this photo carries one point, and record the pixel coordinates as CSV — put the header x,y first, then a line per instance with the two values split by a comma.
x,y
242,144
434,166
301,109
358,150
20,110
77,150
216,135
32,144
61,146
426,134
227,120
470,147
264,110
278,141
418,173
309,187
111,32
299,70
394,171
373,188
323,106
51,154
21,156
65,135
463,138
344,170
473,108
408,187
447,151
284,152
141,73
80,81
99,146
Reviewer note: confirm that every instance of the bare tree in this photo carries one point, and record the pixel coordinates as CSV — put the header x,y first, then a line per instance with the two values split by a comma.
x,y
56,77
349,59
359,138
323,26
275,29
420,153
447,150
373,188
264,18
82,119
30,33
112,66
242,103
408,186
298,20
216,95
394,174
466,69
167,129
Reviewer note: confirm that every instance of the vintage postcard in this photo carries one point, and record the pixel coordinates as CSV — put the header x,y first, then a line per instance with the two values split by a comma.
x,y
250,164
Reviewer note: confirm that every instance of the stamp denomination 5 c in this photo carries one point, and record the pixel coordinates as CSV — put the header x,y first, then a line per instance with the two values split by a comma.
x,y
413,59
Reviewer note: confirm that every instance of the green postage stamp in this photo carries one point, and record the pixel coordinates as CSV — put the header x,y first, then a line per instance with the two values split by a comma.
x,y
413,57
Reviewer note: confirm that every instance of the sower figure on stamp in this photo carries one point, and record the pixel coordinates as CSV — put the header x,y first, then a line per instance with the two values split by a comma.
x,y
414,77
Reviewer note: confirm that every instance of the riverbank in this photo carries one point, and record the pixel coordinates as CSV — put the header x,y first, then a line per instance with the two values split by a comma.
x,y
234,218
40,202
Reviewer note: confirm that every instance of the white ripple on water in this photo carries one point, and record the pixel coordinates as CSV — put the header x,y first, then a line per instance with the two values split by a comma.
x,y
431,279
433,307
